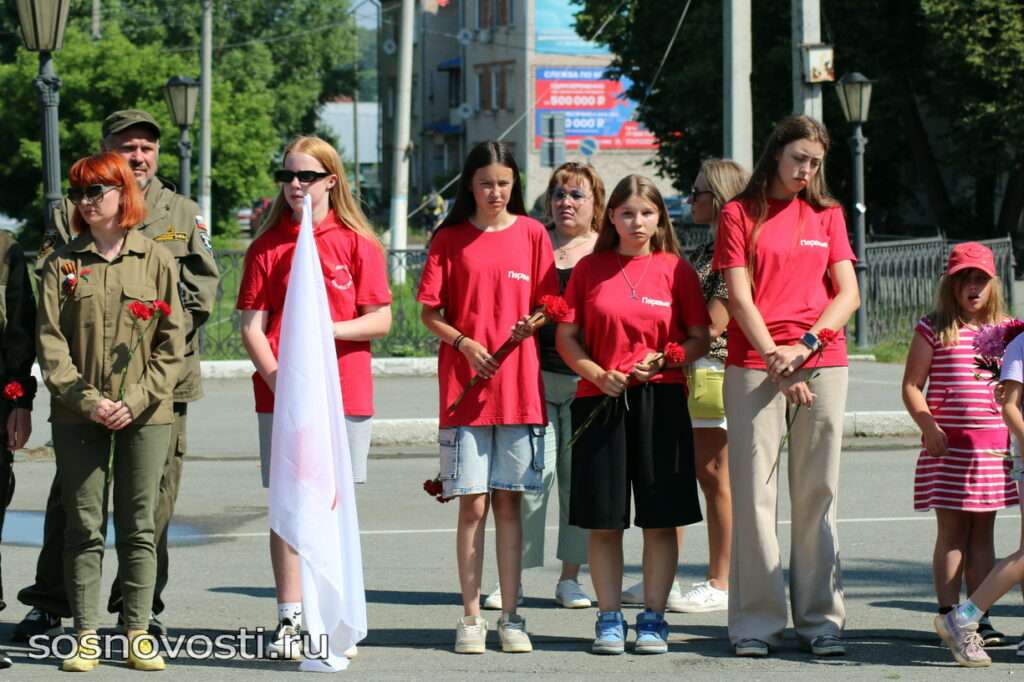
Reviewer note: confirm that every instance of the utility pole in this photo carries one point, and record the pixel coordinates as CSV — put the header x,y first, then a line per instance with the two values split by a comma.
x,y
96,34
400,151
205,119
355,120
806,17
738,144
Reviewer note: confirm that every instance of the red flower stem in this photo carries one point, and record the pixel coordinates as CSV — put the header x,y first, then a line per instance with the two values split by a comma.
x,y
511,343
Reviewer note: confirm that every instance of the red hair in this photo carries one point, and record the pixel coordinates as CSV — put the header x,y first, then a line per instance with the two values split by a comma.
x,y
109,168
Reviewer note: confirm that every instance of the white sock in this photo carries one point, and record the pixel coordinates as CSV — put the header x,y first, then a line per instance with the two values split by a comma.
x,y
291,610
967,614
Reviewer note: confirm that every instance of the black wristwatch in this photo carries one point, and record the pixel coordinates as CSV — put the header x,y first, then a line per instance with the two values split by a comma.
x,y
810,340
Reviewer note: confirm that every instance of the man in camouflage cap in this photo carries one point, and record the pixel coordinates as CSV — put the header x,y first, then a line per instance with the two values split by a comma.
x,y
175,222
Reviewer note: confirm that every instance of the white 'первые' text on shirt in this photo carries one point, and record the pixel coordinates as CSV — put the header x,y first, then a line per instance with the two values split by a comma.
x,y
512,274
655,302
813,242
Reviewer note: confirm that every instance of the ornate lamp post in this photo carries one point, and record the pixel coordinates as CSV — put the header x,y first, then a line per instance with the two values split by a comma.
x,y
854,92
42,28
182,93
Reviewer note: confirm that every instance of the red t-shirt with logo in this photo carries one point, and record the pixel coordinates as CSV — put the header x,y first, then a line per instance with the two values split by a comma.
x,y
795,249
355,275
485,282
619,330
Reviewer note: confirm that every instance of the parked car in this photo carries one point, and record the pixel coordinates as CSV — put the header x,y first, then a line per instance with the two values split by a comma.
x,y
256,214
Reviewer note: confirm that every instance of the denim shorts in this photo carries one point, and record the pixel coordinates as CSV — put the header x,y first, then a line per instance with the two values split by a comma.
x,y
476,459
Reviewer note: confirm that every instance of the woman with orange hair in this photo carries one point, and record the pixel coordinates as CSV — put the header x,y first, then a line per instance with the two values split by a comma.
x,y
360,301
111,343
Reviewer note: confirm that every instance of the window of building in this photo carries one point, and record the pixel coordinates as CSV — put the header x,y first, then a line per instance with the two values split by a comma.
x,y
484,13
484,95
454,88
503,12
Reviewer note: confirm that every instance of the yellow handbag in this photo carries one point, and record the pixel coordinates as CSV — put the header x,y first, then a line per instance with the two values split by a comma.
x,y
705,401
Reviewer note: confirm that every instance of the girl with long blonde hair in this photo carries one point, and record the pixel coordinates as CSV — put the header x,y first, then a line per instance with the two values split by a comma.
x,y
360,302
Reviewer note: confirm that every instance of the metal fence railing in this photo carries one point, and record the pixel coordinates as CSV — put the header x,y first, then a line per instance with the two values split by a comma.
x,y
222,340
902,276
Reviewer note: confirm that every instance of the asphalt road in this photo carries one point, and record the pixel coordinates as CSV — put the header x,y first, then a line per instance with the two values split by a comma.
x,y
221,581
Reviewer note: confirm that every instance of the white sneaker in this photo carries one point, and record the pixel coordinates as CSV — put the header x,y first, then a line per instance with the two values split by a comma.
x,y
703,597
634,596
286,642
570,595
471,635
493,601
512,633
352,651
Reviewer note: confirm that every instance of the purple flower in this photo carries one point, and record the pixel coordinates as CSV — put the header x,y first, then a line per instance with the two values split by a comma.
x,y
989,341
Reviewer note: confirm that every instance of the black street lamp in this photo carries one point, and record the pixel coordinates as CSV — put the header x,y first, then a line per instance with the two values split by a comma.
x,y
182,93
854,92
42,28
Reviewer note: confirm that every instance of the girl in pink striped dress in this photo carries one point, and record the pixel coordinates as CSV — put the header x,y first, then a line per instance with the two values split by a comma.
x,y
962,472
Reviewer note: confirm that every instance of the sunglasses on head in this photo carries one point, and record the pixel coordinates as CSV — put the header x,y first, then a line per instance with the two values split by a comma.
x,y
574,194
305,177
89,193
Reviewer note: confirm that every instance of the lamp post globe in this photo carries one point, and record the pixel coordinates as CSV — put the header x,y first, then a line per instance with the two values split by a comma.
x,y
854,92
42,29
182,94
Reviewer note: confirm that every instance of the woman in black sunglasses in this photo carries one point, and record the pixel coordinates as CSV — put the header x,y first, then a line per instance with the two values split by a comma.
x,y
352,259
111,343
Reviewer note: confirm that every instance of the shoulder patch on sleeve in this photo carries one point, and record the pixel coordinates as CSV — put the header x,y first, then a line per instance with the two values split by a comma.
x,y
204,233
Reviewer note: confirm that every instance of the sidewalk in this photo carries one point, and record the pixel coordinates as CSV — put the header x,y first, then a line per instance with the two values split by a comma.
x,y
407,409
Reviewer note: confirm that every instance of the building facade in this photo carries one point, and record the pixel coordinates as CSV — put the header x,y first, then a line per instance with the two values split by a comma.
x,y
497,69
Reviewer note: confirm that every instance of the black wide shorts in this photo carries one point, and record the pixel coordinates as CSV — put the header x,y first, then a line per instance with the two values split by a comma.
x,y
643,440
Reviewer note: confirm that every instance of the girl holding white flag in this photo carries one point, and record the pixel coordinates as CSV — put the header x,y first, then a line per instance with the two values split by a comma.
x,y
488,267
355,276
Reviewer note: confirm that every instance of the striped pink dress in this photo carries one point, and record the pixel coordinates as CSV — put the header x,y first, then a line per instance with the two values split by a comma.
x,y
969,478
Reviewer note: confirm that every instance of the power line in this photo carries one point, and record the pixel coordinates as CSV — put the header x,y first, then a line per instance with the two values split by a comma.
x,y
664,57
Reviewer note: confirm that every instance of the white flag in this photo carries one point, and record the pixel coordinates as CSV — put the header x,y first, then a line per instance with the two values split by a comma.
x,y
312,497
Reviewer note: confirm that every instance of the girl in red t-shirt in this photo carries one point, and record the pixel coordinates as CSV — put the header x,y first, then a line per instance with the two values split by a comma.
x,y
788,266
360,303
488,267
628,300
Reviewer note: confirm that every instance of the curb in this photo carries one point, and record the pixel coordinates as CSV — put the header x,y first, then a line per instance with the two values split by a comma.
x,y
382,367
389,432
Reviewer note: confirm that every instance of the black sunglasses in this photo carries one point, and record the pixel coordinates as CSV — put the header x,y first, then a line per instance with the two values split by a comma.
x,y
694,193
89,193
305,177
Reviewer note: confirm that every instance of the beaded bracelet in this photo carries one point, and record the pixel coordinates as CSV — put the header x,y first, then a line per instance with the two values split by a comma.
x,y
459,339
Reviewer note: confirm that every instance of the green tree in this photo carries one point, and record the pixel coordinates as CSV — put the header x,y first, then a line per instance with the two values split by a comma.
x,y
943,109
272,65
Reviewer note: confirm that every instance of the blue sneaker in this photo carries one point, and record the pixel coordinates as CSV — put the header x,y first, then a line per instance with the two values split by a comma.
x,y
651,633
609,633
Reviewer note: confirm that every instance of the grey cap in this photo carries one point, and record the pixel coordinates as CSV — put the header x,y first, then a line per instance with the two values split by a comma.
x,y
126,118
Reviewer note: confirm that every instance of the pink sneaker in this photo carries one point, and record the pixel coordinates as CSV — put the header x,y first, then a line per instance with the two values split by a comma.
x,y
965,642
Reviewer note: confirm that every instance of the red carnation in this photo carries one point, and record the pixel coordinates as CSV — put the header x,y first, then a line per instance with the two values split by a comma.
x,y
435,489
826,336
1013,329
555,307
83,272
161,308
140,310
13,390
674,353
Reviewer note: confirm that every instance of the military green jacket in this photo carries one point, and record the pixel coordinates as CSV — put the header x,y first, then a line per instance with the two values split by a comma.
x,y
174,222
86,331
17,321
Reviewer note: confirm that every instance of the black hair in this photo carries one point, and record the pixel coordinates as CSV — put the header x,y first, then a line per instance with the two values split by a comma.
x,y
481,156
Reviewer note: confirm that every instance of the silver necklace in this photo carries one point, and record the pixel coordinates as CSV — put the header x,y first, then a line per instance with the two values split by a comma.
x,y
563,249
622,269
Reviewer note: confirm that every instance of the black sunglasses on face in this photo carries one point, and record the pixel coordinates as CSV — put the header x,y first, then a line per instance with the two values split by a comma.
x,y
574,194
89,193
695,193
305,177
